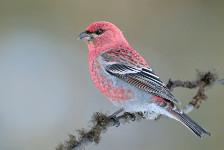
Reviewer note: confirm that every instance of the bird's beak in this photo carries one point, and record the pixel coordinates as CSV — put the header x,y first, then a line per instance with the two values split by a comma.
x,y
84,36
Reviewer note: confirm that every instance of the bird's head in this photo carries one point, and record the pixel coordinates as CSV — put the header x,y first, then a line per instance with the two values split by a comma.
x,y
102,35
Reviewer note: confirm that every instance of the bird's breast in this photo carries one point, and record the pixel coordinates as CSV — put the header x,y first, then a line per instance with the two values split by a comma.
x,y
108,84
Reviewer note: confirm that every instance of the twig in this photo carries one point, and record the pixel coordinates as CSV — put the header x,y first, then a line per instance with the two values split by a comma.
x,y
101,122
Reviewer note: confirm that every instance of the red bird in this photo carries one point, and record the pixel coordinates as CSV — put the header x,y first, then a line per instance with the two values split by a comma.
x,y
124,77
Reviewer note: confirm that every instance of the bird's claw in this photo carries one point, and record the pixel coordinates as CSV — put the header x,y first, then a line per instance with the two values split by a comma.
x,y
116,120
133,116
113,116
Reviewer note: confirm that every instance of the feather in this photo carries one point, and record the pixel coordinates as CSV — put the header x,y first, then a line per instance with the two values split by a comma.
x,y
188,122
143,78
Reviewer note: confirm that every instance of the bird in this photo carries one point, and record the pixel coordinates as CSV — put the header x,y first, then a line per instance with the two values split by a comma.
x,y
123,76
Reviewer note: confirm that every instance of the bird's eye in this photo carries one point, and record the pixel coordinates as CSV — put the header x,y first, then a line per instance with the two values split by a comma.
x,y
98,32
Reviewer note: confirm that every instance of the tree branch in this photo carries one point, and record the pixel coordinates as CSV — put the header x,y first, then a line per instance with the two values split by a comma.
x,y
100,121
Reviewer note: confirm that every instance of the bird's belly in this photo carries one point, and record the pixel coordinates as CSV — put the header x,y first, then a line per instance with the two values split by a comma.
x,y
121,93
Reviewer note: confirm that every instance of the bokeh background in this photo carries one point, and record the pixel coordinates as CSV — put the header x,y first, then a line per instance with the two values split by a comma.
x,y
46,91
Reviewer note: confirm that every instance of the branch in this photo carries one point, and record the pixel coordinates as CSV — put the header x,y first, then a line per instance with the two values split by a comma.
x,y
204,81
101,122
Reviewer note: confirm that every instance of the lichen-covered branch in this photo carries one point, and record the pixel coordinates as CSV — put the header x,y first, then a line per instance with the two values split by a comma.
x,y
204,81
100,121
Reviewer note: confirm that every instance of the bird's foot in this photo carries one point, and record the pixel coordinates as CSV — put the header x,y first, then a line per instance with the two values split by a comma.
x,y
113,116
116,120
133,116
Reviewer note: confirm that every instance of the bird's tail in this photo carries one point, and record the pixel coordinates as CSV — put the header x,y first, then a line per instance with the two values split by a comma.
x,y
188,122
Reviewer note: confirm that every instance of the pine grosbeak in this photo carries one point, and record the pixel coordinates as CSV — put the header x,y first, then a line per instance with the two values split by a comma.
x,y
124,77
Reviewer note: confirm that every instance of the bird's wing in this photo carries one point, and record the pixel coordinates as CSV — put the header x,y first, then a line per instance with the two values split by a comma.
x,y
141,77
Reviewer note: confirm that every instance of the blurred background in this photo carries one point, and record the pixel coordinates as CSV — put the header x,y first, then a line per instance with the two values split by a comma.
x,y
46,91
